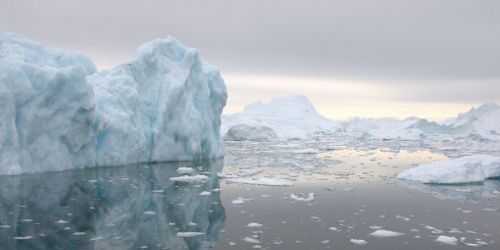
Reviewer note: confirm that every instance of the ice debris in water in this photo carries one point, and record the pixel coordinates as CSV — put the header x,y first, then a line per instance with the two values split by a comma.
x,y
385,233
295,197
189,234
254,225
251,240
187,178
59,112
359,242
447,240
185,170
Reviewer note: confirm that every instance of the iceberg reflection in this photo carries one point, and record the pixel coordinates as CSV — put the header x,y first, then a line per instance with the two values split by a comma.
x,y
126,207
472,193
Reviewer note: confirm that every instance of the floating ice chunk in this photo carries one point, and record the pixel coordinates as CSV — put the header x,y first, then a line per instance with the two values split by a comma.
x,y
205,193
385,233
261,181
185,170
447,240
359,242
251,240
254,225
295,197
189,234
468,169
376,227
149,212
23,238
187,178
238,201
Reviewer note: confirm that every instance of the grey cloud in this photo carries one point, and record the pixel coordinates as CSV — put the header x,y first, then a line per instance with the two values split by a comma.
x,y
401,42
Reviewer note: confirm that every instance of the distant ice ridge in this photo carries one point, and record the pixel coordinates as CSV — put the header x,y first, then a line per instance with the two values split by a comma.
x,y
468,169
282,118
294,117
58,112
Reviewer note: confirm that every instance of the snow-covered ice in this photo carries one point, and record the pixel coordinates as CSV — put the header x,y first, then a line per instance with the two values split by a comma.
x,y
289,117
58,112
468,169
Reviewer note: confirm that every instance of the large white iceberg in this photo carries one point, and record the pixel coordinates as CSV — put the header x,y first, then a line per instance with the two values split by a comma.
x,y
282,118
483,121
467,169
58,112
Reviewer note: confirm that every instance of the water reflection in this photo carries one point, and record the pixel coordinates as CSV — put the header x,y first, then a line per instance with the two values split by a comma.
x,y
111,208
463,193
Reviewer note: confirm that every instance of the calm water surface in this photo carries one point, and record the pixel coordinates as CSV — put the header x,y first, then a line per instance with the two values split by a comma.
x,y
141,207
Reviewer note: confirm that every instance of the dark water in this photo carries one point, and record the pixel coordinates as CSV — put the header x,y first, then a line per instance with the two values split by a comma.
x,y
139,207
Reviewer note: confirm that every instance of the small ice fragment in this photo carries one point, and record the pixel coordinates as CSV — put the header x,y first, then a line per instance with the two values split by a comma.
x,y
310,197
23,238
60,221
189,234
79,233
385,233
334,229
254,225
187,178
375,227
185,170
359,242
238,201
447,240
149,212
205,193
251,240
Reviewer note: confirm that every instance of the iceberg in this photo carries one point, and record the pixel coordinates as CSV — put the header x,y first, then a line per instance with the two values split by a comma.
x,y
483,121
383,128
467,169
282,118
58,112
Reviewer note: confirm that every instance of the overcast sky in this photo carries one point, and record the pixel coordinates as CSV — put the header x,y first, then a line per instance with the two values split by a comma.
x,y
367,58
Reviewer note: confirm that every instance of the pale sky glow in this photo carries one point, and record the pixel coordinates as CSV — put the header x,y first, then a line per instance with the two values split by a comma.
x,y
377,58
336,99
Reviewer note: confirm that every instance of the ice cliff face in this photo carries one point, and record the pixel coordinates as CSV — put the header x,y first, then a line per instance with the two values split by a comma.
x,y
57,112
